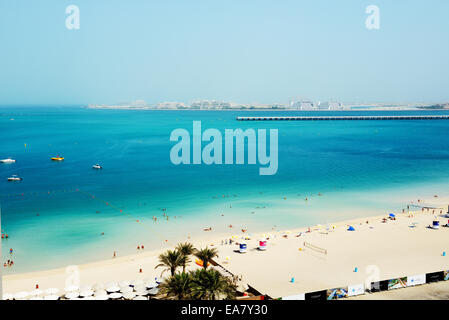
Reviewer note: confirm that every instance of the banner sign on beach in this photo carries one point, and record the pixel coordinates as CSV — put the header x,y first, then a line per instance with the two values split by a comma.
x,y
317,296
379,286
356,290
416,280
337,293
301,296
434,276
397,283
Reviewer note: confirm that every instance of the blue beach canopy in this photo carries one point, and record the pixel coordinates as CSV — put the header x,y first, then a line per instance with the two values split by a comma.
x,y
392,215
351,228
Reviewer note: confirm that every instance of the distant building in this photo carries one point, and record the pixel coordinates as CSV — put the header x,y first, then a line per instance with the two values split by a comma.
x,y
171,105
303,105
210,105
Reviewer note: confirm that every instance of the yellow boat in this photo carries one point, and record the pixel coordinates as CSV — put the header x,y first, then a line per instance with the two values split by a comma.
x,y
58,158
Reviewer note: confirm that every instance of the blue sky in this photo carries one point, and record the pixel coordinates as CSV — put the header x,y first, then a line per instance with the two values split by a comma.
x,y
252,51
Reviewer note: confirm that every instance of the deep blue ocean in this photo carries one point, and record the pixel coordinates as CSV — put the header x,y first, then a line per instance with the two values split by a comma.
x,y
57,214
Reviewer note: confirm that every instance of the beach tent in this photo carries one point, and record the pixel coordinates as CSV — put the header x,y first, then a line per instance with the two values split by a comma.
x,y
436,224
392,215
262,244
351,228
242,247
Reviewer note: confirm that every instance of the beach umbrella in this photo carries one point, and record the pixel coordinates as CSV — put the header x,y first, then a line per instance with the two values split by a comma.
x,y
88,298
85,288
8,296
391,215
51,291
102,297
111,284
98,286
129,295
51,297
36,293
137,283
115,295
351,228
151,284
139,287
126,289
140,298
100,292
71,288
141,292
153,291
21,295
86,293
124,283
72,295
113,289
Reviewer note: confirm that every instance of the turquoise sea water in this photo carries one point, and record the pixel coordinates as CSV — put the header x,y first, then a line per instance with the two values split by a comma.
x,y
56,215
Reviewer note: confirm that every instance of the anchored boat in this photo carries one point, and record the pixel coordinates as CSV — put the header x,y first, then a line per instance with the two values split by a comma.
x,y
14,178
9,160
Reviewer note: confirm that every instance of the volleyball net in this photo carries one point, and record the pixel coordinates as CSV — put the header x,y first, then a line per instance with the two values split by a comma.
x,y
315,248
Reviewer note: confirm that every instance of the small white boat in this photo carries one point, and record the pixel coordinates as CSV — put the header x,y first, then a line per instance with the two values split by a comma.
x,y
9,160
14,178
97,166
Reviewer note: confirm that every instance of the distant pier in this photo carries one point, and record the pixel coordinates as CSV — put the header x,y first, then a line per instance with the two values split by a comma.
x,y
436,117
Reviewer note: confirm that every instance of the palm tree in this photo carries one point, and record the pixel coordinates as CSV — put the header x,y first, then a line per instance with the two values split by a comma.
x,y
211,285
206,255
186,249
171,260
177,286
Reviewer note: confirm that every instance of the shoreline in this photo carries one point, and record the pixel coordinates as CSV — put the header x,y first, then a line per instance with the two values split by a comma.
x,y
128,267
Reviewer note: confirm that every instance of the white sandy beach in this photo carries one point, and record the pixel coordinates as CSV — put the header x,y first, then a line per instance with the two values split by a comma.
x,y
393,248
